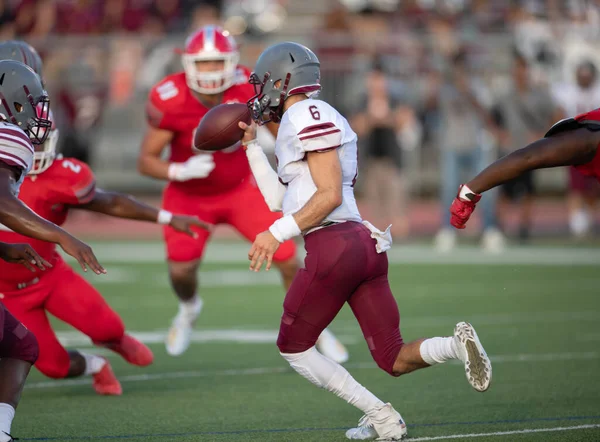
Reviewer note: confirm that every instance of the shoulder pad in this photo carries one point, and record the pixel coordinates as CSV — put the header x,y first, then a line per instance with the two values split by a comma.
x,y
566,125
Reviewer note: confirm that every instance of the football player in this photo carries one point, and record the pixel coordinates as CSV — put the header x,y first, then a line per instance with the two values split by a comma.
x,y
346,257
53,186
21,91
216,186
570,142
14,214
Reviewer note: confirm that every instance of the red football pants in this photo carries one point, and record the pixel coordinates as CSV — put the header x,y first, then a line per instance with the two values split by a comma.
x,y
342,265
70,298
243,208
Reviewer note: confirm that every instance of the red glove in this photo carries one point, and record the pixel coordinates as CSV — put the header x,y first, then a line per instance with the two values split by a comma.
x,y
463,206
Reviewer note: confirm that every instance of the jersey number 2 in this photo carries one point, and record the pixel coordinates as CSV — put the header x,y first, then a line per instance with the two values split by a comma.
x,y
75,168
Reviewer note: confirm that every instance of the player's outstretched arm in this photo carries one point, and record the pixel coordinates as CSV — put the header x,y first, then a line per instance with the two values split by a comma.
x,y
570,148
18,217
567,149
266,178
125,206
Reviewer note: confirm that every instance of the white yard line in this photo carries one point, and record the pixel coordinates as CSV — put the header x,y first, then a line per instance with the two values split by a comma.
x,y
506,433
275,370
153,252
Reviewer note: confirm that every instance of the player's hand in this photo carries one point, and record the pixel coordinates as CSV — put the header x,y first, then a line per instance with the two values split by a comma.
x,y
23,254
82,253
249,132
264,247
198,166
184,224
462,208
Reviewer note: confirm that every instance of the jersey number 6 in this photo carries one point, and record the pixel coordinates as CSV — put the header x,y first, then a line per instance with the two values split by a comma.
x,y
314,112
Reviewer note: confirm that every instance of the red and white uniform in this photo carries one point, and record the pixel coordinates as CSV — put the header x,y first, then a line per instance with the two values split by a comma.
x,y
229,194
344,262
59,290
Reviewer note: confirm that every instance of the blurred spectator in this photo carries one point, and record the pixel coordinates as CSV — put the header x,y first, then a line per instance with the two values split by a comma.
x,y
525,112
7,20
574,98
378,123
465,145
78,16
81,97
334,45
35,19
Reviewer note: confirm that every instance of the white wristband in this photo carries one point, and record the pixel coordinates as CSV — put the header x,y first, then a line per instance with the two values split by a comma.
x,y
285,228
174,171
164,217
464,191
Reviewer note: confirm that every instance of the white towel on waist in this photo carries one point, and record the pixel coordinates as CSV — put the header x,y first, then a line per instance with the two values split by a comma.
x,y
384,239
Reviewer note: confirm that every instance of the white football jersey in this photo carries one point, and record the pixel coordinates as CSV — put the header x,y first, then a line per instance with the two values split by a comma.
x,y
314,126
16,150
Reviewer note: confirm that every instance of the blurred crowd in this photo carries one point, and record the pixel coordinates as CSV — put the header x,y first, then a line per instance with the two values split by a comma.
x,y
436,89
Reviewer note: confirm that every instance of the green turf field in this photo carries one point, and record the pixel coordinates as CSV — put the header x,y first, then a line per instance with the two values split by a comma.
x,y
537,311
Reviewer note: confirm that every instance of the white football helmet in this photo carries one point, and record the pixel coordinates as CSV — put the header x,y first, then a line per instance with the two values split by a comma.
x,y
210,43
45,153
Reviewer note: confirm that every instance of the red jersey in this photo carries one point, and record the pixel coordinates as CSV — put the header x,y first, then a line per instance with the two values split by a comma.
x,y
592,168
171,106
591,120
67,182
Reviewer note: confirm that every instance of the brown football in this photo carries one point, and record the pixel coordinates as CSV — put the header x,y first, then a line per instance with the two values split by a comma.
x,y
219,128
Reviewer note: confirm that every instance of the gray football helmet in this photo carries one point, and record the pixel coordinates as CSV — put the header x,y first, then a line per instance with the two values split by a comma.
x,y
23,100
20,51
282,70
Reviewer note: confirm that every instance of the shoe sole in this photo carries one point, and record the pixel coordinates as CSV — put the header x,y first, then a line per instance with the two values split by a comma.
x,y
478,366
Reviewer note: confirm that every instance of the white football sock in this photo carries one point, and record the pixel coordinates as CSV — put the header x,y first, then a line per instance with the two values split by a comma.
x,y
191,306
438,350
7,414
93,363
325,373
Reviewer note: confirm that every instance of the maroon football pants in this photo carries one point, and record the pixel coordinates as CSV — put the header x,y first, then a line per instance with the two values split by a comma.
x,y
342,265
15,340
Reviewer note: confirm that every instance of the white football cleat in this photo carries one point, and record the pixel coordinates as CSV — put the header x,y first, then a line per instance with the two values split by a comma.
x,y
180,333
445,240
385,424
493,241
478,367
330,347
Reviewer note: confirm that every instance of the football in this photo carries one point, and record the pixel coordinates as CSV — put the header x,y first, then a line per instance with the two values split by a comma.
x,y
219,128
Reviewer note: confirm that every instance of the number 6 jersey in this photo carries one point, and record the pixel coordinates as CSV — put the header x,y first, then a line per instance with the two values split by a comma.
x,y
314,126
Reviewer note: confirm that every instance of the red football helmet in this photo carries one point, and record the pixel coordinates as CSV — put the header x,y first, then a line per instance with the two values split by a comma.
x,y
210,43
45,153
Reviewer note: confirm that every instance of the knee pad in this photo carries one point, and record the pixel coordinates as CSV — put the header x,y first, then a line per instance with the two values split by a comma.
x,y
305,365
24,346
